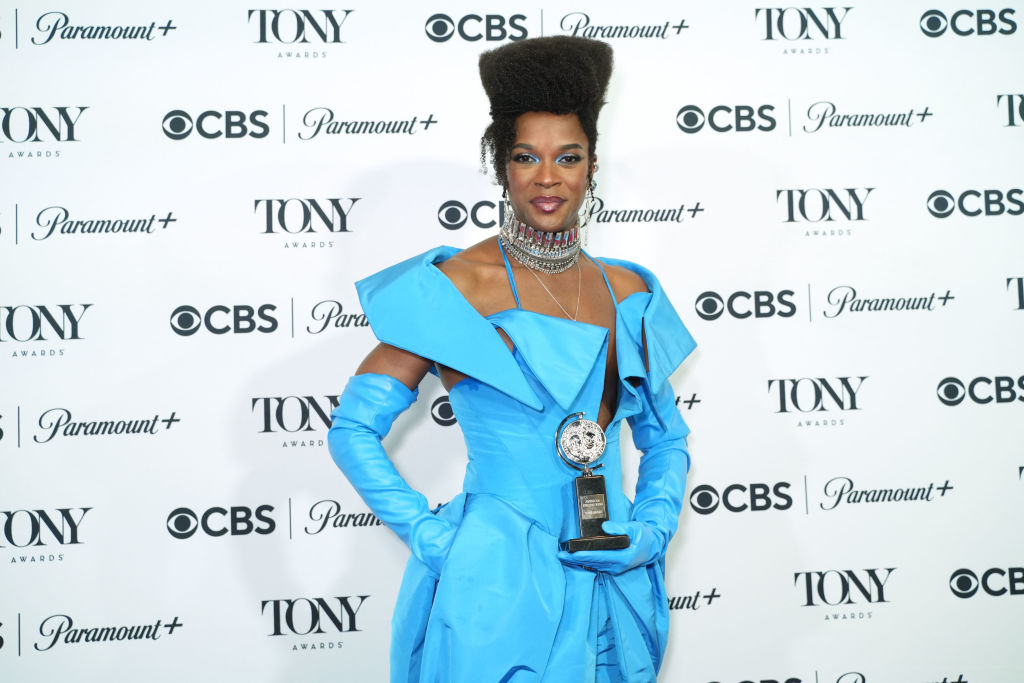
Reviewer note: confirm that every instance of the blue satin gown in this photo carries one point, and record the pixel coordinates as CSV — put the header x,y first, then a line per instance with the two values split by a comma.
x,y
504,609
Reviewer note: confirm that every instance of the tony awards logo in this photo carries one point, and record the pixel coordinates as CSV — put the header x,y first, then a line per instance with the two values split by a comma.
x,y
580,442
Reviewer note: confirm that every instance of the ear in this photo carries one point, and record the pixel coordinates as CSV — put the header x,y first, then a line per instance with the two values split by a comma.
x,y
593,166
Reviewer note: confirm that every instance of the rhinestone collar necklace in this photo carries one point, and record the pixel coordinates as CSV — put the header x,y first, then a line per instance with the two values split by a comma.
x,y
547,252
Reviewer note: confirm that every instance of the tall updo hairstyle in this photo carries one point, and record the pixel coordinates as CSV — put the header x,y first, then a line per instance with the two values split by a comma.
x,y
558,74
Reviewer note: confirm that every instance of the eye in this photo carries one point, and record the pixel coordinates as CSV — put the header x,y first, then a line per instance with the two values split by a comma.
x,y
569,159
524,158
182,523
710,305
963,583
704,500
940,203
951,391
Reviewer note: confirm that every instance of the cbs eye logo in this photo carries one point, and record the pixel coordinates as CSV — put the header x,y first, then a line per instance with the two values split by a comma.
x,y
964,583
941,204
177,124
452,215
441,411
951,391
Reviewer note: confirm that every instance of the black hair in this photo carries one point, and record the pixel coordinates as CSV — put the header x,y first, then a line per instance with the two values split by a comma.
x,y
558,74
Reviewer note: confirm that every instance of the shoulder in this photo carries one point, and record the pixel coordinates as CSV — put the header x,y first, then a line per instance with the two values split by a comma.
x,y
478,272
624,281
629,278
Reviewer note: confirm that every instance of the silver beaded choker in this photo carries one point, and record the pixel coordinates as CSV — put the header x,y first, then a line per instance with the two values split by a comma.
x,y
547,252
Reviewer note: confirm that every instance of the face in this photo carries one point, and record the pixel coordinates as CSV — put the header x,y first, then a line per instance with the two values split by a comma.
x,y
548,173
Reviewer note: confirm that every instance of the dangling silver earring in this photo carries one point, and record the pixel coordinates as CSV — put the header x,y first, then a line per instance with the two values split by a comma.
x,y
586,211
510,219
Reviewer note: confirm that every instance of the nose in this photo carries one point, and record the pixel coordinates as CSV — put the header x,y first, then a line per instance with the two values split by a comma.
x,y
547,174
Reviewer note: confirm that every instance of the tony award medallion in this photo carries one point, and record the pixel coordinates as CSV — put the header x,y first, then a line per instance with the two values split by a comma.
x,y
580,443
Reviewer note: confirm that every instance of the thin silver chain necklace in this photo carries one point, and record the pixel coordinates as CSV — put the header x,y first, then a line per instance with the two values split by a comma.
x,y
579,290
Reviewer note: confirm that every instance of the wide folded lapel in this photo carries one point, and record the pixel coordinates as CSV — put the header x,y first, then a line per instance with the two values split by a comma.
x,y
668,340
560,353
414,306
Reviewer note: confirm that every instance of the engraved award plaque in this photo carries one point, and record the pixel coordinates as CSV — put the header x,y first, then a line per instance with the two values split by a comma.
x,y
580,442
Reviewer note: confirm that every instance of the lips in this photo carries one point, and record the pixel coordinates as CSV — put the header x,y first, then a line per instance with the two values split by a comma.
x,y
547,204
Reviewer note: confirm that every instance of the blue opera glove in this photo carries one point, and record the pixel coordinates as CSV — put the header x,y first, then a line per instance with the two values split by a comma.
x,y
646,545
366,410
659,432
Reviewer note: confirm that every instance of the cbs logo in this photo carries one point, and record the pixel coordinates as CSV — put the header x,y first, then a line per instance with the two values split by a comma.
x,y
186,320
964,583
182,523
942,204
453,214
711,305
705,499
980,22
178,124
691,118
951,391
441,411
440,27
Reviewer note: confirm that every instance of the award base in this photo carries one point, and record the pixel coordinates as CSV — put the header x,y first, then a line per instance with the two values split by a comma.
x,y
593,510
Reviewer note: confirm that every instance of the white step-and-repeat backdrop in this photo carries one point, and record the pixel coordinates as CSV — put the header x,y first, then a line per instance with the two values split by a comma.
x,y
831,195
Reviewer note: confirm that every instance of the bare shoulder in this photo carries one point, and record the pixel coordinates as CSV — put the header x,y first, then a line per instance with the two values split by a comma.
x,y
624,281
478,272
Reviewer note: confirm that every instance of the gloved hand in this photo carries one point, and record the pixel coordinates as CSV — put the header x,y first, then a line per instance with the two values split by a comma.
x,y
659,432
366,410
646,545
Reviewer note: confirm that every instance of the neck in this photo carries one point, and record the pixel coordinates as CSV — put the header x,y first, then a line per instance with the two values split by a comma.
x,y
548,252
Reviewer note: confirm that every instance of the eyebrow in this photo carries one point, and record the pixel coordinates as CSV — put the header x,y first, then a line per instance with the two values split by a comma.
x,y
525,145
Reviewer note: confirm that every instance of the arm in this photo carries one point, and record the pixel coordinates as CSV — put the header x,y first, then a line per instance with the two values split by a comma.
x,y
383,387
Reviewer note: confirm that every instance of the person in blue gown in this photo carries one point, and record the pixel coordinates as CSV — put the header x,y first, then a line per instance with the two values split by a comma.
x,y
525,329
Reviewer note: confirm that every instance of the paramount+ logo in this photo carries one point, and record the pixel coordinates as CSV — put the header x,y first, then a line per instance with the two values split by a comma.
x,y
1003,389
241,319
965,22
972,203
232,124
759,304
183,523
739,118
441,28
